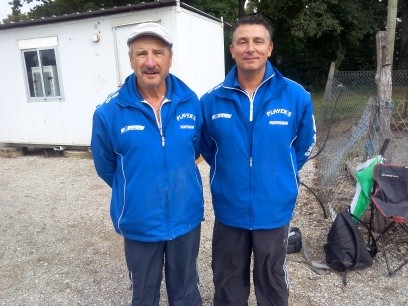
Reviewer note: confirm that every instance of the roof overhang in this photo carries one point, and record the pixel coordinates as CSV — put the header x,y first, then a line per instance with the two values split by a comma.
x,y
103,12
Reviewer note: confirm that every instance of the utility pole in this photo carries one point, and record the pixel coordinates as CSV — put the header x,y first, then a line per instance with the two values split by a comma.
x,y
391,24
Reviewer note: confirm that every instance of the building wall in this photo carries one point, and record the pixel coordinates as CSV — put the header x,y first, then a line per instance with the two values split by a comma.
x,y
89,72
200,51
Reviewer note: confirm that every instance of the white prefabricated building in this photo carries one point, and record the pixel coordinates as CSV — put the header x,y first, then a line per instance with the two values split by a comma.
x,y
55,71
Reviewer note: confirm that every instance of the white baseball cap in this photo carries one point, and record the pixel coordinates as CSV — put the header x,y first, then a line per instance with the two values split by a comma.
x,y
150,29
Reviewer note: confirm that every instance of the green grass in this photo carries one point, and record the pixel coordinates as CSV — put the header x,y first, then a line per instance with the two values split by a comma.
x,y
317,98
351,104
400,92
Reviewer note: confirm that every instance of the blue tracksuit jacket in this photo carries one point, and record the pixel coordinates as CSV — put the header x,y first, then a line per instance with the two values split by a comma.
x,y
156,186
255,147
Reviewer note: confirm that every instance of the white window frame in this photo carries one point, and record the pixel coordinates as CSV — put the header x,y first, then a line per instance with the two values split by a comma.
x,y
55,85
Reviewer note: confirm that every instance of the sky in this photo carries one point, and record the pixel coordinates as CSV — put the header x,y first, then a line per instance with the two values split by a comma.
x,y
5,8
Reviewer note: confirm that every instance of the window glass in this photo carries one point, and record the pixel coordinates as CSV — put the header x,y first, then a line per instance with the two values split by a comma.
x,y
42,73
31,60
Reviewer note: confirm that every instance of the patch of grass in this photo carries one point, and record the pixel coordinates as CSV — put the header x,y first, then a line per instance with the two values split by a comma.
x,y
317,98
400,92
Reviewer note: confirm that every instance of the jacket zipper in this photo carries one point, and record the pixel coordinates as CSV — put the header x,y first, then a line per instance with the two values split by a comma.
x,y
251,118
160,124
159,120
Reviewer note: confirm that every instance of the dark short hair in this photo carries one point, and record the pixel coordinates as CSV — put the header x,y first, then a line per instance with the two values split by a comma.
x,y
253,19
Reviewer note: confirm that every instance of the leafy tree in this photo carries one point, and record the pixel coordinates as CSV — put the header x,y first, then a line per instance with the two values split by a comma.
x,y
227,9
48,8
309,34
15,12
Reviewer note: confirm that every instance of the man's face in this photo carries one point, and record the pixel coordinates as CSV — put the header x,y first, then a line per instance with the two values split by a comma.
x,y
150,59
251,46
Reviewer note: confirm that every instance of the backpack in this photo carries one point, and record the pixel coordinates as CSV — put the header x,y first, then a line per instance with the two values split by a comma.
x,y
346,249
294,240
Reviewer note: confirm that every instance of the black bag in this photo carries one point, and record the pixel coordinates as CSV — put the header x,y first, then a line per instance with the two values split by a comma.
x,y
346,249
294,240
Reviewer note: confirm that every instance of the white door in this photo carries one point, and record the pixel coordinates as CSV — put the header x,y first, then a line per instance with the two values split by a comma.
x,y
121,34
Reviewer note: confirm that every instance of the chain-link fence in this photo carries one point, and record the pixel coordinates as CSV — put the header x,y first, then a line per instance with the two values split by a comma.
x,y
351,127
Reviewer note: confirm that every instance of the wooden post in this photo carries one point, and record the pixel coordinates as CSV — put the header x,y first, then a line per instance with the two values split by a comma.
x,y
329,83
391,24
324,110
384,84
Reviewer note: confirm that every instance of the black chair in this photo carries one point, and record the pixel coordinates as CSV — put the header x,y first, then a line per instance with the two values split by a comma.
x,y
389,211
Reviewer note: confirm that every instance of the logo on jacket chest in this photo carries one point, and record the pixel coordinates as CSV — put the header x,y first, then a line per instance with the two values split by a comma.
x,y
184,116
221,115
128,128
278,112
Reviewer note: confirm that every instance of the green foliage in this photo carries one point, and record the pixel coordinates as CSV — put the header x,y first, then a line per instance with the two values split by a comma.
x,y
48,8
16,14
310,34
314,20
227,9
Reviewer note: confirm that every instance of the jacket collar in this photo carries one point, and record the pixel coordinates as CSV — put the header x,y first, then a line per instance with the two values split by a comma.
x,y
129,95
271,75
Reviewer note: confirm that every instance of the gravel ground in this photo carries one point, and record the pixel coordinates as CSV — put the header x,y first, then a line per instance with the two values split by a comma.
x,y
58,247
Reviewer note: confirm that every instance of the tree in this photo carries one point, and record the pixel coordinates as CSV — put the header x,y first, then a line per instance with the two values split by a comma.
x,y
48,8
16,14
241,8
309,34
227,9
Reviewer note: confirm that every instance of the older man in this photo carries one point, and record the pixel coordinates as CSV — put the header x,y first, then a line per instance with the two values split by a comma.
x,y
144,144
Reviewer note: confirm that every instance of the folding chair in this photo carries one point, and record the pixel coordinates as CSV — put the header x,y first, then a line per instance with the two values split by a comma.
x,y
389,208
